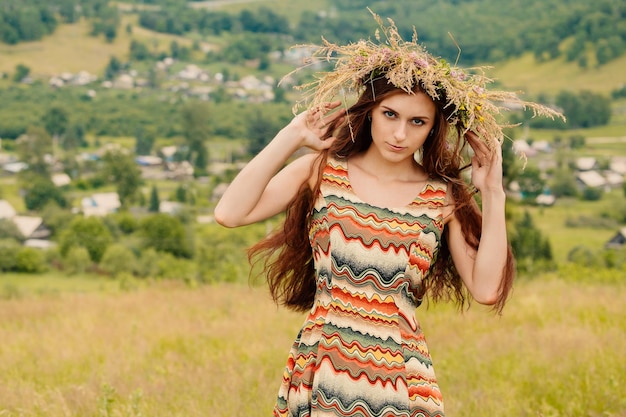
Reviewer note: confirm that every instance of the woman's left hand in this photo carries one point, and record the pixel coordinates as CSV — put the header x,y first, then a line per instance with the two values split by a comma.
x,y
486,163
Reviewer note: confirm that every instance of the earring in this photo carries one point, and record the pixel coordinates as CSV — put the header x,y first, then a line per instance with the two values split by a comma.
x,y
432,131
369,117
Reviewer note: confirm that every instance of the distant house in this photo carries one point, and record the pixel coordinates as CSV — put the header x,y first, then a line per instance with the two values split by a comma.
x,y
618,241
100,204
614,179
30,227
61,179
15,167
39,243
124,82
591,179
148,160
179,170
586,163
6,210
545,199
170,207
168,152
618,164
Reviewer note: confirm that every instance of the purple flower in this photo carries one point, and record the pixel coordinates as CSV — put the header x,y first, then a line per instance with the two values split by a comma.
x,y
459,75
387,54
421,63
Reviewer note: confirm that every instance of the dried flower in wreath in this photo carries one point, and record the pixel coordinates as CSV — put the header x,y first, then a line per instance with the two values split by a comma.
x,y
405,64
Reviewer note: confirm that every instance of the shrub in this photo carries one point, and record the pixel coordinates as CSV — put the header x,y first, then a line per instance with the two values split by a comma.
x,y
9,249
118,259
148,264
171,267
88,232
77,260
30,260
592,194
165,233
532,250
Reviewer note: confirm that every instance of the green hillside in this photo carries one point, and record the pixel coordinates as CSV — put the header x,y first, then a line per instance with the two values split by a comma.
x,y
71,48
550,77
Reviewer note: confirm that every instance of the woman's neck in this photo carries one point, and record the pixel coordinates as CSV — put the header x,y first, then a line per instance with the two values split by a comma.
x,y
378,167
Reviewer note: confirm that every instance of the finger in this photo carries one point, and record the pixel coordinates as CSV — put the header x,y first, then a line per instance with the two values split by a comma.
x,y
477,144
335,119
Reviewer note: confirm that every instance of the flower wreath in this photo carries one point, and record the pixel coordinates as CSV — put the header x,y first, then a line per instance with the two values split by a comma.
x,y
404,63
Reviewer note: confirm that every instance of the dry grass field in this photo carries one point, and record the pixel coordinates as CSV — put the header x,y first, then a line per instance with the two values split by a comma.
x,y
71,49
167,349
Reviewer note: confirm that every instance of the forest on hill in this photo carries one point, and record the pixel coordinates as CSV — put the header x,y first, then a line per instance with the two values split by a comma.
x,y
486,30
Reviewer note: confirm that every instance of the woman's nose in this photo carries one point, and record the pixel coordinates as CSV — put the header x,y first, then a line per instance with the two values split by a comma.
x,y
400,132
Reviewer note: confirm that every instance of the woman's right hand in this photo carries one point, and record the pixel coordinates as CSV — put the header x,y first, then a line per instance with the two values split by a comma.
x,y
312,126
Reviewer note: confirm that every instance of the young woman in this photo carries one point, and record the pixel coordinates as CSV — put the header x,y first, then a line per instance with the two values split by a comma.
x,y
378,216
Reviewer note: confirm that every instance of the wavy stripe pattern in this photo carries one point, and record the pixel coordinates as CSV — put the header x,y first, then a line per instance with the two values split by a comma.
x,y
361,351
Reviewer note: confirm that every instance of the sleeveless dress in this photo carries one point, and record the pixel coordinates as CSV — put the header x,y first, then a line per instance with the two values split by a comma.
x,y
361,351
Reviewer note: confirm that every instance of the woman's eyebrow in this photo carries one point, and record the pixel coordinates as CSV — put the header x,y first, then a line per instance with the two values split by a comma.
x,y
413,117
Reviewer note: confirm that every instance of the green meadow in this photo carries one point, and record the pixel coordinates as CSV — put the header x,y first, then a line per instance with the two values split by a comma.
x,y
100,348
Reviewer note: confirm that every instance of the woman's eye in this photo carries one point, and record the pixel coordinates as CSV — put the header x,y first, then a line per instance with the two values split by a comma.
x,y
418,122
389,113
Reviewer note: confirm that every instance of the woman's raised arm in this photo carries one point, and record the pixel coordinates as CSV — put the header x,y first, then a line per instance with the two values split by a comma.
x,y
262,189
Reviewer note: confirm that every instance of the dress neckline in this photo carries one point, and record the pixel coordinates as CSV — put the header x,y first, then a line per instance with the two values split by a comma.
x,y
427,182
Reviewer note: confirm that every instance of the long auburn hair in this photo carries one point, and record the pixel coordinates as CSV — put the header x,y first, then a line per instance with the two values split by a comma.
x,y
287,254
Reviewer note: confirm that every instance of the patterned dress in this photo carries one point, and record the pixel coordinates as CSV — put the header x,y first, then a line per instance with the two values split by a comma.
x,y
361,351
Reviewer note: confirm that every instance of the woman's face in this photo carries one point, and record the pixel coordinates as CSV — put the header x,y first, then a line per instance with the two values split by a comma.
x,y
401,123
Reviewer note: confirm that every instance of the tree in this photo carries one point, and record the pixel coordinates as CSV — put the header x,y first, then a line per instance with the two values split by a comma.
x,y
32,149
56,121
89,233
9,248
30,260
29,24
74,137
195,124
585,109
144,140
42,191
165,233
77,260
120,168
181,193
118,259
563,183
21,72
139,51
261,129
154,200
68,12
530,182
8,230
531,249
113,68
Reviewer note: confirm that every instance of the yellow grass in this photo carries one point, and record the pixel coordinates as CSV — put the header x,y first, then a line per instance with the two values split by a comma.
x,y
170,350
551,77
71,48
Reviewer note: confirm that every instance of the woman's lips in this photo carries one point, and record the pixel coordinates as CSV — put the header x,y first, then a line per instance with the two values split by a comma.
x,y
395,148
